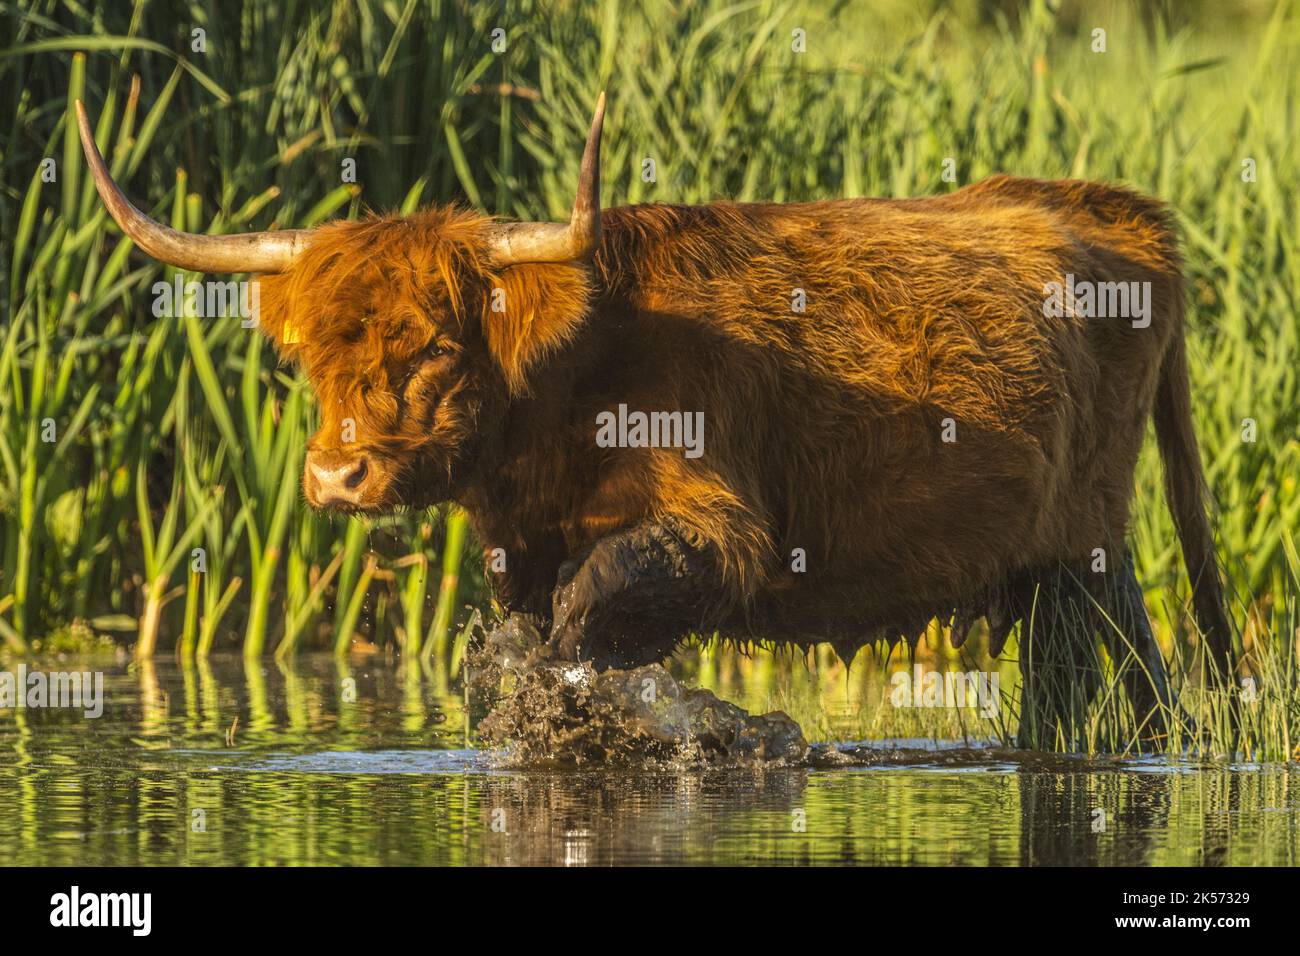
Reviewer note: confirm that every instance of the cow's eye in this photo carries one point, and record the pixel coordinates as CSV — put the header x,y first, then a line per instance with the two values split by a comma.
x,y
407,380
437,351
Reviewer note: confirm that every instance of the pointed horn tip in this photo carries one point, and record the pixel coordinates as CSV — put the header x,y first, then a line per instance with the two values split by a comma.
x,y
89,147
84,130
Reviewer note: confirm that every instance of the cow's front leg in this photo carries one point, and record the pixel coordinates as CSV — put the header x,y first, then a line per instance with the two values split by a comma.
x,y
630,598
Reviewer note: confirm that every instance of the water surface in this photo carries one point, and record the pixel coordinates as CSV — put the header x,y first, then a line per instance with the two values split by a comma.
x,y
319,763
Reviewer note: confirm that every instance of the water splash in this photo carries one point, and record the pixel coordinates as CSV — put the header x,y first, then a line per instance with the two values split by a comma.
x,y
560,712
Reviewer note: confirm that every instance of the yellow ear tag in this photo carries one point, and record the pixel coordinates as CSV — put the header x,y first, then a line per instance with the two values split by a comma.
x,y
289,334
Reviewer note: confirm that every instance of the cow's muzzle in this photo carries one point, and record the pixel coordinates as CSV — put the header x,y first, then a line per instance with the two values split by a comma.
x,y
336,479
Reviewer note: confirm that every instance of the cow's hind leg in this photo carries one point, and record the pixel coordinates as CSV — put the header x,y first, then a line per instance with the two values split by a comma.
x,y
1126,632
1059,665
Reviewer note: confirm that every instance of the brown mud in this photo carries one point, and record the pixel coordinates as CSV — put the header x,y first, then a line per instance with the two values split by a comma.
x,y
559,712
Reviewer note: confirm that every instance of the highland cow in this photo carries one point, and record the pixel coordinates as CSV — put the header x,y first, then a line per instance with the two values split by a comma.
x,y
897,424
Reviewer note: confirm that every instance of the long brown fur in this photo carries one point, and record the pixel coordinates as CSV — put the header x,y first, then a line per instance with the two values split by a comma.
x,y
822,428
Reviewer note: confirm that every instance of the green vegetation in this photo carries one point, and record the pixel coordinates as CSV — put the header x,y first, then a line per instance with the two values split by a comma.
x,y
126,440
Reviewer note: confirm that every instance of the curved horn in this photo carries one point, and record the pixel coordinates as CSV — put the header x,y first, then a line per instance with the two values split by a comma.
x,y
515,242
249,252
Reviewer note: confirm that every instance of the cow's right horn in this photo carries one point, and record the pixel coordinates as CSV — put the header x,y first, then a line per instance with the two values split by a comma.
x,y
512,243
249,252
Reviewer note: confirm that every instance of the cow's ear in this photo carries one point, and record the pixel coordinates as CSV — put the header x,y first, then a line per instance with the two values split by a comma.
x,y
530,311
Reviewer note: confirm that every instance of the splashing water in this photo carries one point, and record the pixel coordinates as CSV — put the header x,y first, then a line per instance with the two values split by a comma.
x,y
567,713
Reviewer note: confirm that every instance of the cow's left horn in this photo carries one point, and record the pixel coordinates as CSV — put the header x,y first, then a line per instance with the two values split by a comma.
x,y
516,242
249,252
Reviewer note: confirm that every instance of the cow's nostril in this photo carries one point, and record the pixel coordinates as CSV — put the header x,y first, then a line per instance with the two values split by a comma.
x,y
357,475
337,479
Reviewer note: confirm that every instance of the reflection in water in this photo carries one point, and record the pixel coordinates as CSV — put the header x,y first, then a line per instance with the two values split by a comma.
x,y
325,763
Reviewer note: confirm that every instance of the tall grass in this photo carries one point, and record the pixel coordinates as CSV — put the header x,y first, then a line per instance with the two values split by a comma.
x,y
172,434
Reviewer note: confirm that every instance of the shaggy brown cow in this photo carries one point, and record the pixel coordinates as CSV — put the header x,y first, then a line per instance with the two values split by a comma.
x,y
896,424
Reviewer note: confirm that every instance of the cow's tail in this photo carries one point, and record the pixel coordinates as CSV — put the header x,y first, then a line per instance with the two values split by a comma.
x,y
1186,494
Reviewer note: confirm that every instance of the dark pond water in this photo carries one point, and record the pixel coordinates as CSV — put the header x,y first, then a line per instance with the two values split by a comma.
x,y
369,764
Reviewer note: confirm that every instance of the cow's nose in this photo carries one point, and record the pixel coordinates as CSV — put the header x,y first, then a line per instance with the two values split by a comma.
x,y
338,479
